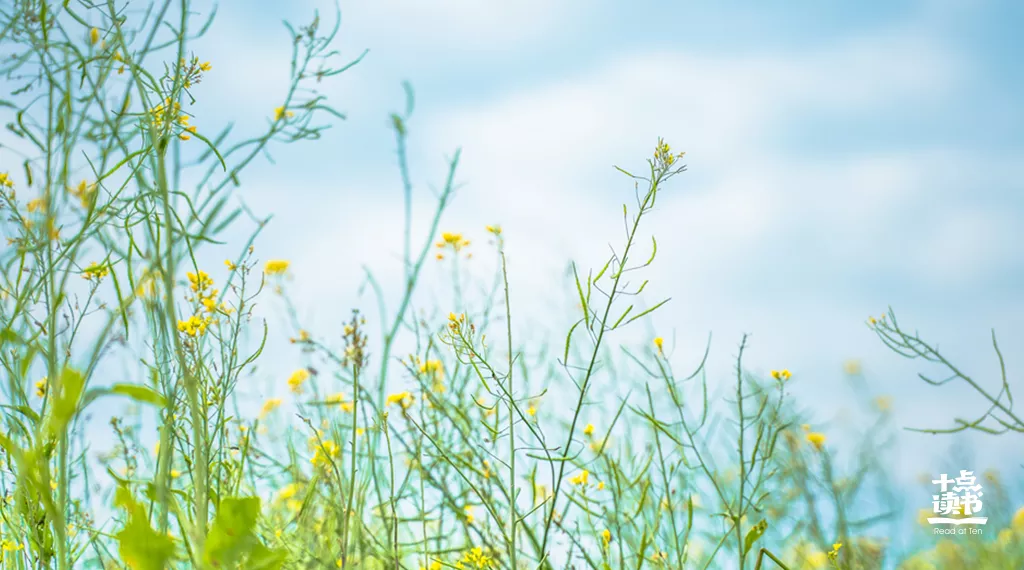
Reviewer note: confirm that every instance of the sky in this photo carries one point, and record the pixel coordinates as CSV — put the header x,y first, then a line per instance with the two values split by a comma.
x,y
842,158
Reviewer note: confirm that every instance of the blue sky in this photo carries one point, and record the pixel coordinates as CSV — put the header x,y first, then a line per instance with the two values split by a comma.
x,y
843,157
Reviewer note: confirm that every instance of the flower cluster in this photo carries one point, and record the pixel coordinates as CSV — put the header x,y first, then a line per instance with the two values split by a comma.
x,y
204,301
192,71
455,242
325,454
663,157
431,369
355,342
297,379
276,267
282,113
194,325
781,374
95,272
475,558
84,193
169,112
404,399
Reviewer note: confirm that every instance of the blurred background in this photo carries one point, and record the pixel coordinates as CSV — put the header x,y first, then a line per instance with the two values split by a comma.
x,y
842,158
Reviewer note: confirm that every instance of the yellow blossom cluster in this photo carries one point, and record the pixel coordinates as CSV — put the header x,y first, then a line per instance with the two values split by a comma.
x,y
404,399
781,374
194,325
456,322
341,401
816,439
297,379
83,192
663,156
475,558
170,112
433,369
325,454
452,241
276,267
282,113
192,71
95,271
581,478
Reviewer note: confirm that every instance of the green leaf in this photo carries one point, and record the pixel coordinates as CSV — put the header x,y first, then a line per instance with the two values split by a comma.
x,y
66,396
753,534
263,558
140,394
141,547
231,536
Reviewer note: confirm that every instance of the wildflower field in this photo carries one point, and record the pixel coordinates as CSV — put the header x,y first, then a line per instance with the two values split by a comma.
x,y
428,429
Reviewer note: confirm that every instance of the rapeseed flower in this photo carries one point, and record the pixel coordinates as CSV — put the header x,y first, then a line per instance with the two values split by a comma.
x,y
297,379
581,478
276,267
816,439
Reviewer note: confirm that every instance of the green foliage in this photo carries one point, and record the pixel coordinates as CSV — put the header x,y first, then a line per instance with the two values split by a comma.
x,y
414,441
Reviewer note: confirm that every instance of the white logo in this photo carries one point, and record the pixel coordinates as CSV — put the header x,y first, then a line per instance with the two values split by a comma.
x,y
960,497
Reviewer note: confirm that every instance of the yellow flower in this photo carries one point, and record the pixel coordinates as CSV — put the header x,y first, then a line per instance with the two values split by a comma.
x,y
205,66
402,398
659,343
282,113
495,229
297,379
852,367
84,192
36,205
327,450
1017,524
834,553
606,536
288,491
781,374
468,511
269,406
532,410
303,337
41,388
199,283
230,265
816,439
10,546
883,403
600,486
95,272
94,36
453,240
588,430
5,180
339,399
581,478
194,325
276,267
663,156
